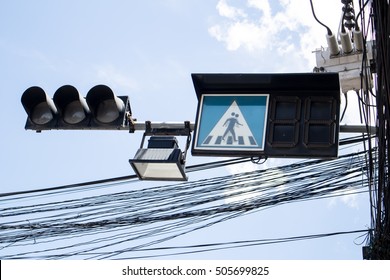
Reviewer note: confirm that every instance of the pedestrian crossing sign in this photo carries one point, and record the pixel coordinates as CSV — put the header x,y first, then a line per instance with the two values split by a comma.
x,y
231,124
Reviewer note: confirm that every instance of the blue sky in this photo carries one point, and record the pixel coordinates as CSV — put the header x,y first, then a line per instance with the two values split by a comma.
x,y
148,50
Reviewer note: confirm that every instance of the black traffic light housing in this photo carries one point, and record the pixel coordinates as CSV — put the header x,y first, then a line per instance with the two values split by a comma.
x,y
101,110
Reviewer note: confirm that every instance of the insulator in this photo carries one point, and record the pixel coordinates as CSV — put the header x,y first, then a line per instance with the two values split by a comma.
x,y
349,24
349,16
358,40
332,44
346,43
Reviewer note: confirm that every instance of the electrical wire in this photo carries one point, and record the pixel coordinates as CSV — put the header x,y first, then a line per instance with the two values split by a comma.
x,y
103,183
345,107
143,218
208,247
202,248
380,239
127,178
362,7
315,17
122,225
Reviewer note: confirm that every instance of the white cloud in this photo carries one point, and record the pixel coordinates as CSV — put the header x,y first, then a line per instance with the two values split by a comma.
x,y
280,35
351,201
229,11
239,34
289,30
112,76
348,198
242,167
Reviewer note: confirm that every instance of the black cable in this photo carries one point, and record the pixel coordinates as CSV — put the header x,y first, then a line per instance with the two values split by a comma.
x,y
359,13
208,247
89,183
327,28
241,244
345,107
192,168
157,214
379,248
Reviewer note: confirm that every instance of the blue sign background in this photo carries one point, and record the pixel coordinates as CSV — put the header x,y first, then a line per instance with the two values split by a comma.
x,y
253,108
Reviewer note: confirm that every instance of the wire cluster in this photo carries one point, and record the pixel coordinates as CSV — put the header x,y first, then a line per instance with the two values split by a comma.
x,y
131,224
380,240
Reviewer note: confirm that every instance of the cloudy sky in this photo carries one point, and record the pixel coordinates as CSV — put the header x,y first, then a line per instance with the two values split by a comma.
x,y
148,50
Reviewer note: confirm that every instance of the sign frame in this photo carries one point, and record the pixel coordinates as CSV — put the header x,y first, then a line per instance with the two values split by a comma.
x,y
303,113
231,114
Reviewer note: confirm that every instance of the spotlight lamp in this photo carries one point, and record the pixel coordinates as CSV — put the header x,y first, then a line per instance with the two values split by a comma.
x,y
162,160
100,110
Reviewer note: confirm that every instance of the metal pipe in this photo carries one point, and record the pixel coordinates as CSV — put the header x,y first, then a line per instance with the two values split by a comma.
x,y
161,125
357,129
141,126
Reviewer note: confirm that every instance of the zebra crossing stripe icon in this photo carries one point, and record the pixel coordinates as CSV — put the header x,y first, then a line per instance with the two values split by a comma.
x,y
231,130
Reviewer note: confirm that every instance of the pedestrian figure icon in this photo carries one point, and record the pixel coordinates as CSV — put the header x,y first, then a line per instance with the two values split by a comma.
x,y
231,123
231,130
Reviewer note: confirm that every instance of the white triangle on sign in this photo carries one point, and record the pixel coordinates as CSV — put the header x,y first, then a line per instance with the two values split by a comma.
x,y
231,130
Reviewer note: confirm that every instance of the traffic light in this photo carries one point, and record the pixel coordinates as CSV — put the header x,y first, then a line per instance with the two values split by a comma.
x,y
100,110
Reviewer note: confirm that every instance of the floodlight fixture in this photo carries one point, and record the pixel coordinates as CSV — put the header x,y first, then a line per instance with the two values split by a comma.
x,y
165,161
162,160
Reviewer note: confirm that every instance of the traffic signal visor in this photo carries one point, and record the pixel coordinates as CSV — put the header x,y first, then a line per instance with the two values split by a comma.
x,y
72,106
39,106
105,106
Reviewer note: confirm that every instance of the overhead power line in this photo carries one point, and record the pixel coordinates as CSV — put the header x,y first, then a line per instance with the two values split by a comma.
x,y
122,179
130,178
202,248
140,219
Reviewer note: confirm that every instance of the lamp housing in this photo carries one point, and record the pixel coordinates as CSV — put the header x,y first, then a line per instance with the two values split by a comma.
x,y
40,109
107,109
72,107
162,160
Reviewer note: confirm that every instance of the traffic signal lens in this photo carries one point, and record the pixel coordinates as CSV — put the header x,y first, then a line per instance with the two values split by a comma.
x,y
41,114
74,113
107,111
